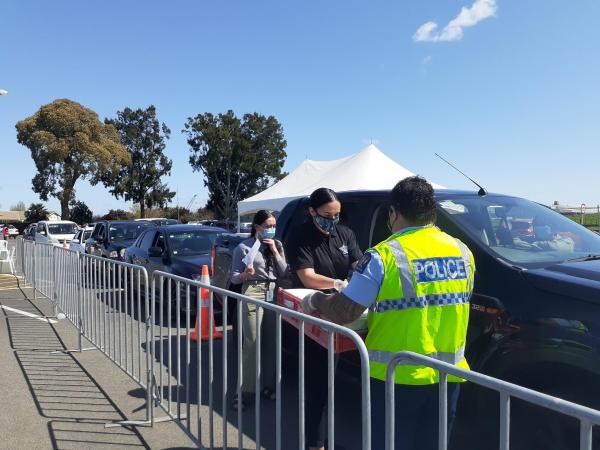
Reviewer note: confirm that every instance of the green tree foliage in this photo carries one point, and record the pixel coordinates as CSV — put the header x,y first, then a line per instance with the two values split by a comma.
x,y
116,214
80,213
238,158
36,213
144,138
20,206
68,142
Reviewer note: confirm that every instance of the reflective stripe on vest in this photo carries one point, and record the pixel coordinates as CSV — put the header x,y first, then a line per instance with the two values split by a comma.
x,y
422,301
382,356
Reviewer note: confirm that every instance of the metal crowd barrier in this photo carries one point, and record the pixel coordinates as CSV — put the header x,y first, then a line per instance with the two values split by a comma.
x,y
111,305
106,300
171,292
587,417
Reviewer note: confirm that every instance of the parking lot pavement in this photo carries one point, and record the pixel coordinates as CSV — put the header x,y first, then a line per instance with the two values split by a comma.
x,y
58,400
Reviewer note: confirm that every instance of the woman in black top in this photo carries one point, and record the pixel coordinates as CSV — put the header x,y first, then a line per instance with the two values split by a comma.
x,y
322,253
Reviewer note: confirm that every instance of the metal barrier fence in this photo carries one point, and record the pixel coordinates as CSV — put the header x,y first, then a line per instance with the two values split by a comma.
x,y
106,300
171,292
587,417
111,305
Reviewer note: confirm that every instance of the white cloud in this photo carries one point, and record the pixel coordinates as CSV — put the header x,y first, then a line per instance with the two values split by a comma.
x,y
468,17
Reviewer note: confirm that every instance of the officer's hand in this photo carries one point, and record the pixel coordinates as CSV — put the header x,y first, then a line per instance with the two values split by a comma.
x,y
306,306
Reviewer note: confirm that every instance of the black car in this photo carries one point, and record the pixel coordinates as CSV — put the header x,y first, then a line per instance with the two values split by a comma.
x,y
110,238
177,249
535,311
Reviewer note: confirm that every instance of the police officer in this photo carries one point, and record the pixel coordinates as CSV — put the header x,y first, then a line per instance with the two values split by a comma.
x,y
417,285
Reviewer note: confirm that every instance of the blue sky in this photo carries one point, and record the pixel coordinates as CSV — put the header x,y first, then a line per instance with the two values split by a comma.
x,y
515,102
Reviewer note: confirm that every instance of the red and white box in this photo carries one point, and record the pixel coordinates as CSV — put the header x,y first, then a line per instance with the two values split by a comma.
x,y
292,299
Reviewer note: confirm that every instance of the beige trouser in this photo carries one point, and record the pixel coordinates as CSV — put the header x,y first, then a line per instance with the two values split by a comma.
x,y
266,322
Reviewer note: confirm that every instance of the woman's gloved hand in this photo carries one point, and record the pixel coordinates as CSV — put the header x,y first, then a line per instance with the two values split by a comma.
x,y
338,285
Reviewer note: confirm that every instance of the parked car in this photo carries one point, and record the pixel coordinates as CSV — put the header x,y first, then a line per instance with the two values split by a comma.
x,y
12,231
110,238
160,221
78,241
535,311
228,225
177,249
56,232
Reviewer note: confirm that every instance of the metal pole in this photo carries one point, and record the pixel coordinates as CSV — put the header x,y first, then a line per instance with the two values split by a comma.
x,y
504,421
443,412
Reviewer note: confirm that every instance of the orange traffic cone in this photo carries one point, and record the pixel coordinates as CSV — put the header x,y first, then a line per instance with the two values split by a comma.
x,y
207,323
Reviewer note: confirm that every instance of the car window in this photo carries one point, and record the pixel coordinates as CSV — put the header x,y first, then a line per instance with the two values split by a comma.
x,y
188,243
147,239
62,228
159,241
99,231
520,231
87,234
77,235
380,230
126,231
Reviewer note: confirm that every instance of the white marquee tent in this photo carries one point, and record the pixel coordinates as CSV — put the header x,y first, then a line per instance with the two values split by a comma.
x,y
370,170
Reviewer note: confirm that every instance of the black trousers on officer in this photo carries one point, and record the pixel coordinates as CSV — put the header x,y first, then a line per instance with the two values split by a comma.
x,y
416,415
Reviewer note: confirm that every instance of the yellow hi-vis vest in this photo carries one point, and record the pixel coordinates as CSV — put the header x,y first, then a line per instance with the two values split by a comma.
x,y
422,305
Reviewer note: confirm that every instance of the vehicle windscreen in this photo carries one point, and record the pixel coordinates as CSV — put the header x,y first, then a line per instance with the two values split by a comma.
x,y
62,228
126,231
167,222
188,243
87,234
520,231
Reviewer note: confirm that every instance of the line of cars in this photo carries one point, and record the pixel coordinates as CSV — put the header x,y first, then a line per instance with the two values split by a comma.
x,y
156,244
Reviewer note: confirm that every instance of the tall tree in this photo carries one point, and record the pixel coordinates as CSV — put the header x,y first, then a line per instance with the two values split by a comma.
x,y
36,212
144,138
80,213
238,158
20,206
68,142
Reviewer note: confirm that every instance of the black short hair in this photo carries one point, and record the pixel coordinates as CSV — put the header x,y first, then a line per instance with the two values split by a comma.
x,y
322,196
413,198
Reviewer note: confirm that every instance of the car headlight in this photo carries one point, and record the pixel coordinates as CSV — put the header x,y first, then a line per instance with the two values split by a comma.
x,y
113,254
122,253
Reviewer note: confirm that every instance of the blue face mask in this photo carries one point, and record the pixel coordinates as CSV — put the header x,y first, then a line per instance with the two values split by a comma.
x,y
268,233
542,232
325,223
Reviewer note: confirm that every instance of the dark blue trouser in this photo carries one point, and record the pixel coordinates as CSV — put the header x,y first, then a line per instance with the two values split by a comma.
x,y
416,415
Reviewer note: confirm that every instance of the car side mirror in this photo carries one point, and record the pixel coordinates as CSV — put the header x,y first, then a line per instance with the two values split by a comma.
x,y
155,252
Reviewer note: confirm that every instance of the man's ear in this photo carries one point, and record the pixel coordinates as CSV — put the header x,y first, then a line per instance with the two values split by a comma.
x,y
312,211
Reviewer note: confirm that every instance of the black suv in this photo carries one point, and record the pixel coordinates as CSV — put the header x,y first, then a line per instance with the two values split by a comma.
x,y
535,311
110,238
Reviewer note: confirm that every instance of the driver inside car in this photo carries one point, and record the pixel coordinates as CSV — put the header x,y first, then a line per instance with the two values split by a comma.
x,y
544,238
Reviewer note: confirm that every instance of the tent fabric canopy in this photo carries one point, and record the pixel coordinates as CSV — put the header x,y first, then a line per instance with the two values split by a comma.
x,y
368,170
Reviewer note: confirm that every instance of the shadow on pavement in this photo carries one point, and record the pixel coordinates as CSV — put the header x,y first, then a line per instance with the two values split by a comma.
x,y
62,389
